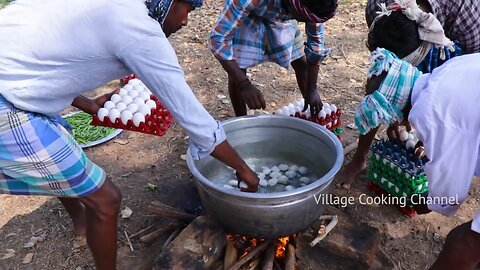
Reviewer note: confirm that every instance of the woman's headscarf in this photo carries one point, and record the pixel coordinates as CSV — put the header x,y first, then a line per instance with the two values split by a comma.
x,y
430,29
158,9
385,105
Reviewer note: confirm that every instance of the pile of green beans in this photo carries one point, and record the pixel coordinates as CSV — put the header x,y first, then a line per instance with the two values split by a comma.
x,y
83,132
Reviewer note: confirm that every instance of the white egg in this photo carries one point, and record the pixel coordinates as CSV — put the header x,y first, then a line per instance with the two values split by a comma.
x,y
302,170
127,99
123,91
403,135
102,113
144,109
291,106
305,180
333,108
150,103
228,187
283,179
139,101
125,116
139,88
290,174
410,144
145,89
272,182
128,87
293,168
298,103
275,174
109,105
289,188
145,96
121,106
233,183
263,183
326,105
274,169
243,184
134,82
302,102
279,112
283,167
114,114
138,118
266,170
411,137
322,114
133,94
115,98
132,107
327,111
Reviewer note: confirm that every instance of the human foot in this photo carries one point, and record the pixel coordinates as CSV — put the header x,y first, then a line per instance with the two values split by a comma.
x,y
347,174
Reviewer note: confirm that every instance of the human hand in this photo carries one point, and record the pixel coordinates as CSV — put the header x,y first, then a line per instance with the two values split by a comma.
x,y
250,178
393,131
313,100
419,205
100,100
251,95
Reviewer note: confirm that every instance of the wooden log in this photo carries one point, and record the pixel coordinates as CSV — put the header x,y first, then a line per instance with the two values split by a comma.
x,y
231,255
141,231
198,247
253,264
250,255
269,257
164,210
148,238
290,257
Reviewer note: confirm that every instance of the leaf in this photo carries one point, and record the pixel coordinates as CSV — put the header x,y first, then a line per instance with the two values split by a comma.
x,y
221,96
10,254
36,239
151,186
183,157
126,213
120,141
28,258
79,242
225,101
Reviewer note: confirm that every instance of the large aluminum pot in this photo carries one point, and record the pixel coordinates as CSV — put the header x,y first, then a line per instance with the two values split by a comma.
x,y
288,140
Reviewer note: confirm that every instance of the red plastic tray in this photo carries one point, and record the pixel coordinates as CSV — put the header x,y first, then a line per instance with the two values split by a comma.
x,y
156,123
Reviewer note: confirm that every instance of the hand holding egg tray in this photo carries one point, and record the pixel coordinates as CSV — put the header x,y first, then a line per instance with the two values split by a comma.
x,y
134,108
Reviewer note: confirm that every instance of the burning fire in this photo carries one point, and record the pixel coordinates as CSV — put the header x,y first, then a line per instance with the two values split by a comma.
x,y
282,243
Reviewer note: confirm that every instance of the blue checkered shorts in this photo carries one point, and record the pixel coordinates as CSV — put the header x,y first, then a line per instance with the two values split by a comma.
x,y
39,157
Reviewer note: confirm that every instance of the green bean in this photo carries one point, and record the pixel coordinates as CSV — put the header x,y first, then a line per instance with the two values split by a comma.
x,y
85,133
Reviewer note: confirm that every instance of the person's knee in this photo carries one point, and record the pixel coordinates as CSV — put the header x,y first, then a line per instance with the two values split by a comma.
x,y
105,203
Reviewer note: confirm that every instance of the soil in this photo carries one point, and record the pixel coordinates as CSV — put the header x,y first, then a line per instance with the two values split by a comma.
x,y
138,162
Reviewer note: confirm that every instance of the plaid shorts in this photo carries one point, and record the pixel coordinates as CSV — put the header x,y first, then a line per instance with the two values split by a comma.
x,y
268,42
39,157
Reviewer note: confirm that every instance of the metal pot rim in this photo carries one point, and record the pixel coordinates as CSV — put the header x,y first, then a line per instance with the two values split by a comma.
x,y
320,182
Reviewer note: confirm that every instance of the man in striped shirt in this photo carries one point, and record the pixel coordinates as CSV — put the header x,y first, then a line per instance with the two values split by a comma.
x,y
249,32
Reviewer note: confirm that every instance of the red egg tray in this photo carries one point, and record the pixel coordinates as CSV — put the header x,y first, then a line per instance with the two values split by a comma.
x,y
331,121
156,123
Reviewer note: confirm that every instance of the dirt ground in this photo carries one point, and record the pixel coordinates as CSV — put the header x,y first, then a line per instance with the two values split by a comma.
x,y
135,161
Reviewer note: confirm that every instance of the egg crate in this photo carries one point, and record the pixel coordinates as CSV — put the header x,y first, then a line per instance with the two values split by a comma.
x,y
329,116
126,79
394,169
156,123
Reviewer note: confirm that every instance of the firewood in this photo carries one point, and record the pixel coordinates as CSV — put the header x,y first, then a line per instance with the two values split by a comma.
x,y
164,210
141,231
253,264
322,232
231,255
290,257
250,255
269,257
148,238
171,237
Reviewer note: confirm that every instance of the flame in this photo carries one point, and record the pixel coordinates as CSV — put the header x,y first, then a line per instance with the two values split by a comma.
x,y
281,247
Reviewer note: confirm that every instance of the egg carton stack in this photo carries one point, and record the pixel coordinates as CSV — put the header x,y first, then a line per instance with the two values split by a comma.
x,y
134,108
395,169
282,177
328,117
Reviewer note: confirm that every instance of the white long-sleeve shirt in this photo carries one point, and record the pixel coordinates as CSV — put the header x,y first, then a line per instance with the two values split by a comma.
x,y
445,113
51,51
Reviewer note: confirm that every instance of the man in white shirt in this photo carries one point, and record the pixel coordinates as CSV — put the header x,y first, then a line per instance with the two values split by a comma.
x,y
447,122
52,51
